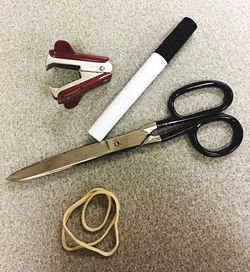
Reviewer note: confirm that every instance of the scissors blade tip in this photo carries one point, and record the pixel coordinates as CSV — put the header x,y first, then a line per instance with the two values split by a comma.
x,y
18,176
13,177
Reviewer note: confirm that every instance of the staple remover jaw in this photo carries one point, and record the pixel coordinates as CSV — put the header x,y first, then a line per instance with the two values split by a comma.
x,y
94,71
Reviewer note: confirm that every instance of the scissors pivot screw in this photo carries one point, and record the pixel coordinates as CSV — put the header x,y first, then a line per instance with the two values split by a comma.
x,y
117,143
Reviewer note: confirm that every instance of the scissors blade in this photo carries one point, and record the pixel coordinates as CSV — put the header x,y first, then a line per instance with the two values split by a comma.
x,y
60,162
80,155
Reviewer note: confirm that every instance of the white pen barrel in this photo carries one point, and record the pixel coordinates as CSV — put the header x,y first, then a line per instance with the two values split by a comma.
x,y
126,98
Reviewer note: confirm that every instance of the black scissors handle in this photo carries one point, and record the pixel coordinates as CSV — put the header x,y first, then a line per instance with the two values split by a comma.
x,y
191,123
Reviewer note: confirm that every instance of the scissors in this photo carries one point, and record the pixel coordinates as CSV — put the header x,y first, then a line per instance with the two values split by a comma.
x,y
152,133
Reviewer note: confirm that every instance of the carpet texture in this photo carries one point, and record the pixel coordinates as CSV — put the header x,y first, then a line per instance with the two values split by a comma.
x,y
180,211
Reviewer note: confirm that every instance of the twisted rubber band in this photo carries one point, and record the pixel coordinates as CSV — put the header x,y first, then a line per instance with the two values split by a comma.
x,y
85,202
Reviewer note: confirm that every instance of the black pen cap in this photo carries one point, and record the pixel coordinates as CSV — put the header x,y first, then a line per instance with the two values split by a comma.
x,y
176,39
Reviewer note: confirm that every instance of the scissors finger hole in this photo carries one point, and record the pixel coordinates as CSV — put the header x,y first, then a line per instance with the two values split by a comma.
x,y
215,136
199,100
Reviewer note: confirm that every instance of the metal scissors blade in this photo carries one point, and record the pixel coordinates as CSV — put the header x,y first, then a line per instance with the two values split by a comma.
x,y
82,154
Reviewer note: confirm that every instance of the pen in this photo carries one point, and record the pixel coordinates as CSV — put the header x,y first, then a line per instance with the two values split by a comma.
x,y
143,78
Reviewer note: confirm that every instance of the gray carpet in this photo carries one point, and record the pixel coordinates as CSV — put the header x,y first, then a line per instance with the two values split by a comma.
x,y
180,211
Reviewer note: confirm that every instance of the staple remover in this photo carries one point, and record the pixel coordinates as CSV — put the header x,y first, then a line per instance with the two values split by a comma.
x,y
94,71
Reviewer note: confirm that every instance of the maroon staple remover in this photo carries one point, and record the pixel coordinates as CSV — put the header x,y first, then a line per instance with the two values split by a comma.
x,y
94,71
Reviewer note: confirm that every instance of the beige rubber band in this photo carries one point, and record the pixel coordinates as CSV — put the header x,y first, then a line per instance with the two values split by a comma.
x,y
114,222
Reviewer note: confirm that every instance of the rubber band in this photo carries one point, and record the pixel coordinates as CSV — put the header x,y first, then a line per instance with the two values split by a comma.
x,y
85,202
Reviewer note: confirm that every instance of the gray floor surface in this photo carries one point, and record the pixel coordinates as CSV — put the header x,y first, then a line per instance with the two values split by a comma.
x,y
180,211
